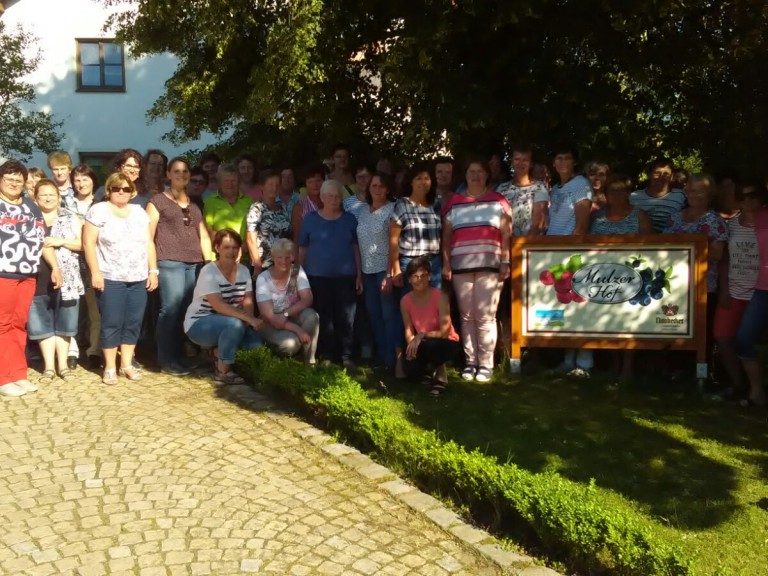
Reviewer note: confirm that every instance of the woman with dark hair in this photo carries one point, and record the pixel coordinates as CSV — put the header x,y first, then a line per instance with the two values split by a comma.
x,y
156,164
597,173
128,162
381,299
84,183
250,185
220,316
121,256
182,243
267,221
21,244
476,231
311,202
414,228
429,334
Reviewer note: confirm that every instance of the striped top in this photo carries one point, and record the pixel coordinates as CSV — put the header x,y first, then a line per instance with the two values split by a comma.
x,y
212,281
563,199
630,224
476,238
660,209
743,259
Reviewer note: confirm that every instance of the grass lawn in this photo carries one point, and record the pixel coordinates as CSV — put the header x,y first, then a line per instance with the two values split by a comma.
x,y
696,470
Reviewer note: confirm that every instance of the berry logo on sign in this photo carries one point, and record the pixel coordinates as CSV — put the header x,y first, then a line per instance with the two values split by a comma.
x,y
607,283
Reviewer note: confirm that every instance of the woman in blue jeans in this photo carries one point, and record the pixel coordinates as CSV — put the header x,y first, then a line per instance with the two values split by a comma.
x,y
182,244
220,316
121,257
381,298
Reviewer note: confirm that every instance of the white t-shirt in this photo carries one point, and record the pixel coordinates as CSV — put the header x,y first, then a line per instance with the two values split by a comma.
x,y
282,299
121,248
562,205
212,281
743,260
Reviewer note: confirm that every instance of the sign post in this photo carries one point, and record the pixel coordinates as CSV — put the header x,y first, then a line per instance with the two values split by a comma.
x,y
612,292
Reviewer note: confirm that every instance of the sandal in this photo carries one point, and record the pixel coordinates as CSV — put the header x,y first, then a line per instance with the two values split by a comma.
x,y
67,375
46,377
228,377
469,373
110,377
437,389
130,372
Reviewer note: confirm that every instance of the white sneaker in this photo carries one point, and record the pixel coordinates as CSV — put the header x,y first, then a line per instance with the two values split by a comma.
x,y
26,385
579,373
483,374
11,389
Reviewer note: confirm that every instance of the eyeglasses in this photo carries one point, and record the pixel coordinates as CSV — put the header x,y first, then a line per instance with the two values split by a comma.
x,y
13,181
132,166
124,189
186,217
419,276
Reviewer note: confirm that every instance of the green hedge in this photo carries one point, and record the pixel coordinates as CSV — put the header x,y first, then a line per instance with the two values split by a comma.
x,y
568,519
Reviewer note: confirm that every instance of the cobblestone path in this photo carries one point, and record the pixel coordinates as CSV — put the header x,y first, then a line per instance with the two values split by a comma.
x,y
165,476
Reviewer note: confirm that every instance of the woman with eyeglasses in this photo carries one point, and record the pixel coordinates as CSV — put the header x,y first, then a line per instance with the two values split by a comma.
x,y
182,243
118,247
21,244
128,162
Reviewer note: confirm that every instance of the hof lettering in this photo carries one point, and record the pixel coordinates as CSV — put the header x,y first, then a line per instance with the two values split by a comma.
x,y
607,283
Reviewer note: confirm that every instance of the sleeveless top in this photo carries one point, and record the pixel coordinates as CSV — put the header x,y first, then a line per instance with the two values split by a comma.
x,y
307,206
427,318
177,236
630,224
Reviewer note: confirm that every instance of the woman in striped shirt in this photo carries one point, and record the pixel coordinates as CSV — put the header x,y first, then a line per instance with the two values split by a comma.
x,y
476,242
220,316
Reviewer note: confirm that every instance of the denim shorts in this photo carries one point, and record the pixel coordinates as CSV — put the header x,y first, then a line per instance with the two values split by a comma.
x,y
49,316
752,325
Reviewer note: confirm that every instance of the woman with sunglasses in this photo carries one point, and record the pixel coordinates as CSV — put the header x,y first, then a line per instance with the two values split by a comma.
x,y
182,243
121,256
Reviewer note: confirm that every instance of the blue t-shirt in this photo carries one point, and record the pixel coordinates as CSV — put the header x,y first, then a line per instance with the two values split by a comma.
x,y
330,245
562,205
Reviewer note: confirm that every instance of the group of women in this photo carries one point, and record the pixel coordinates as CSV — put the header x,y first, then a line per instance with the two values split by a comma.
x,y
261,263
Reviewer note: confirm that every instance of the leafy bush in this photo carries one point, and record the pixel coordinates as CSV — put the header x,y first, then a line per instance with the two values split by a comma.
x,y
567,519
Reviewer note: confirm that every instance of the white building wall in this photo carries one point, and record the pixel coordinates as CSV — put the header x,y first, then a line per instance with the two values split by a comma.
x,y
93,121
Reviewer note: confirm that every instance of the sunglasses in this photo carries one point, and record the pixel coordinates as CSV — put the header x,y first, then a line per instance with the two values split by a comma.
x,y
186,217
116,189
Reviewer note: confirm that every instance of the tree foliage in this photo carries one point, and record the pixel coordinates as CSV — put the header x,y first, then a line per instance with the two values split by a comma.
x,y
23,131
624,80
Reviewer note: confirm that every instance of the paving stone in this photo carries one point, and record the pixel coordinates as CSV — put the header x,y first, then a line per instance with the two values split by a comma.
x,y
168,476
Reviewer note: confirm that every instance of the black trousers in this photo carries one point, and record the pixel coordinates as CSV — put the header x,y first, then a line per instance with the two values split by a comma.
x,y
335,301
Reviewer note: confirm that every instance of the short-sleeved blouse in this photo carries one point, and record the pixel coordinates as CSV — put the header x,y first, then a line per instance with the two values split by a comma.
x,y
21,239
270,225
710,224
121,247
420,228
521,199
373,237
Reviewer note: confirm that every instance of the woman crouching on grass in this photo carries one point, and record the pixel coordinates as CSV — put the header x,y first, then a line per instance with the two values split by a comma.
x,y
429,334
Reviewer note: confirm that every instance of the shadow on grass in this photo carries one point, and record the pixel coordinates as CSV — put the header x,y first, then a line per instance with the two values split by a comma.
x,y
644,444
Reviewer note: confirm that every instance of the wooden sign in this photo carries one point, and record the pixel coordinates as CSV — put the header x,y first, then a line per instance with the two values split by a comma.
x,y
624,291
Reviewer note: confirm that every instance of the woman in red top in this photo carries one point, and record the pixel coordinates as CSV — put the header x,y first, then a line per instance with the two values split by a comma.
x,y
429,333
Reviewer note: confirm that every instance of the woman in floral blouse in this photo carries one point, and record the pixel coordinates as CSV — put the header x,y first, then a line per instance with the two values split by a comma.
x,y
267,222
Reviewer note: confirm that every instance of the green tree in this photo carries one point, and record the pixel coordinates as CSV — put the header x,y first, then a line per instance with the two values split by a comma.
x,y
23,131
624,80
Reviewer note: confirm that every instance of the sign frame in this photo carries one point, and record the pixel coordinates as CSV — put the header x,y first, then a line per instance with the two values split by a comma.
x,y
698,307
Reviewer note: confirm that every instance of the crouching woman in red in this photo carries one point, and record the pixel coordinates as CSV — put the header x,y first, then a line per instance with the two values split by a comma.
x,y
22,233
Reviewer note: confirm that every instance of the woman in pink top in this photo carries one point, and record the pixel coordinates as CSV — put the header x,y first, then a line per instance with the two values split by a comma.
x,y
429,333
477,226
752,324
